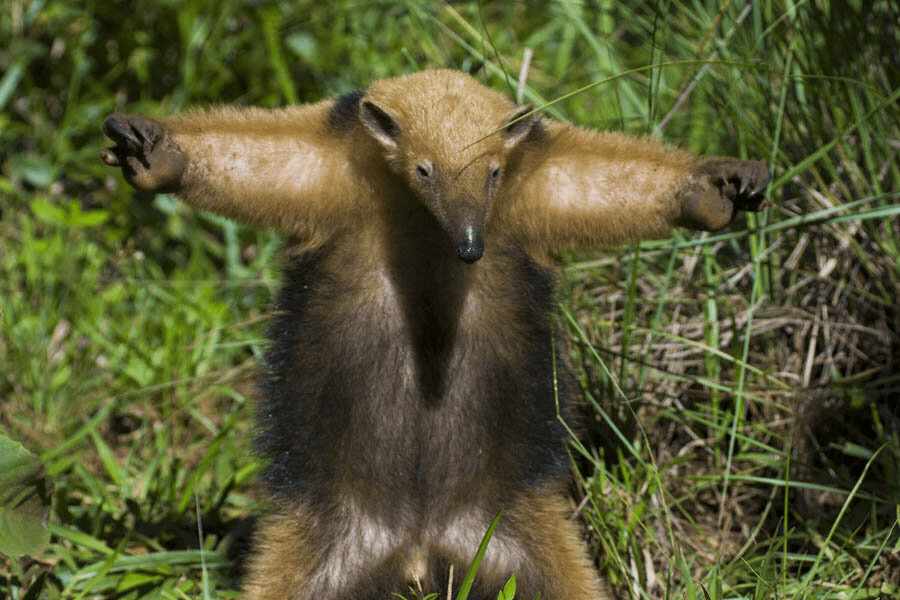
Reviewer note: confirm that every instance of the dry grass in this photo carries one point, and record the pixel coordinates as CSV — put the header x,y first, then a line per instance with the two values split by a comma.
x,y
764,409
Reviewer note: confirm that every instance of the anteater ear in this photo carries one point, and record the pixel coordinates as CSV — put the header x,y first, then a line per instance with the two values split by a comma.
x,y
518,125
383,127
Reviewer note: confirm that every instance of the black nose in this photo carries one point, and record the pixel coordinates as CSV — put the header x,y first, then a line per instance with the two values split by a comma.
x,y
472,247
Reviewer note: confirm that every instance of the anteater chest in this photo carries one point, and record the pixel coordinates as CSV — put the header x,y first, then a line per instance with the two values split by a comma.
x,y
439,369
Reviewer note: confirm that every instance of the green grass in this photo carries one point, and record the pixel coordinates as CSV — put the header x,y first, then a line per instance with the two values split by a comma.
x,y
742,437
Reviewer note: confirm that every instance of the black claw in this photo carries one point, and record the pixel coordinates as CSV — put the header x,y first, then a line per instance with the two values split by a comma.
x,y
117,132
145,139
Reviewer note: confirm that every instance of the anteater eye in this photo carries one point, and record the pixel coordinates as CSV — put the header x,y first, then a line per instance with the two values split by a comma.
x,y
423,171
495,173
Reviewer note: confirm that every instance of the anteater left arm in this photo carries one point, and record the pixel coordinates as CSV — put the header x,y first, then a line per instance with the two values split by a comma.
x,y
583,188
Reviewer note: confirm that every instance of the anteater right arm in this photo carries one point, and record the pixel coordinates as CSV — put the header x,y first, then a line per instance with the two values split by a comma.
x,y
268,168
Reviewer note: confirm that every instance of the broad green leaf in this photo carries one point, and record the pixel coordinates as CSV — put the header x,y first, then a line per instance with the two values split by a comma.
x,y
24,501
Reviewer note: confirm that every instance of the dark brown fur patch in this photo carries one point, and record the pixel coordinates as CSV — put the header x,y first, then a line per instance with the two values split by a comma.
x,y
343,116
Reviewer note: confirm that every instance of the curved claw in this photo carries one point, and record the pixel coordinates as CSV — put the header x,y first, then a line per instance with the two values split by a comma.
x,y
745,184
115,129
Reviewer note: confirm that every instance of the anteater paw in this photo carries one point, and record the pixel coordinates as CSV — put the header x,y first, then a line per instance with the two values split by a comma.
x,y
145,152
718,188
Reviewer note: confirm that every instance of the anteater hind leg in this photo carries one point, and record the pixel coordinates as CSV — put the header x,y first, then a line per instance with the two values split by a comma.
x,y
283,563
535,541
560,569
326,555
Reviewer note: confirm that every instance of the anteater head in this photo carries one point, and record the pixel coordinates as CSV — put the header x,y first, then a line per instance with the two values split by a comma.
x,y
451,139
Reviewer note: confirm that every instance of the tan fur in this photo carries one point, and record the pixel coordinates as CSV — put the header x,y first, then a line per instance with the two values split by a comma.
x,y
267,168
578,193
282,168
411,387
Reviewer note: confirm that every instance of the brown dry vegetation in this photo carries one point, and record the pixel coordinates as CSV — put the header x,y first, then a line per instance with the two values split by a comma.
x,y
786,377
